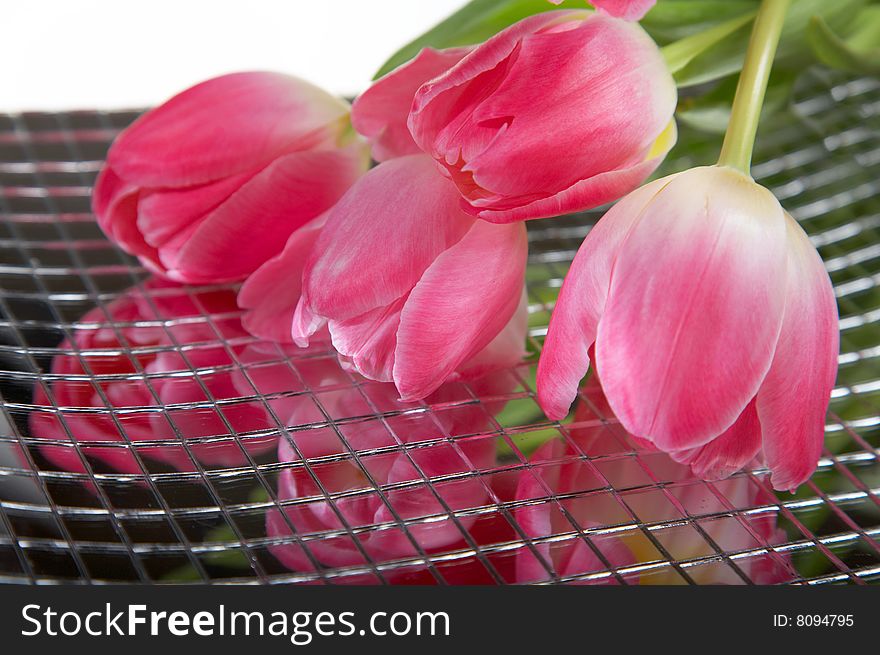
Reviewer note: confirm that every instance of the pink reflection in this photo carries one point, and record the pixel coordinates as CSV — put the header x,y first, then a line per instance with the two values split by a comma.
x,y
157,358
567,482
427,457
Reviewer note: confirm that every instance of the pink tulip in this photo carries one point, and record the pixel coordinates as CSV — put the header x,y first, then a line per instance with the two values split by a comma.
x,y
114,404
209,185
380,113
684,512
563,111
270,295
713,321
414,291
424,461
625,9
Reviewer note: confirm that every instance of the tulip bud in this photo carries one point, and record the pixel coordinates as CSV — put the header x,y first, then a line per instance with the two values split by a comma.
x,y
714,325
563,111
208,186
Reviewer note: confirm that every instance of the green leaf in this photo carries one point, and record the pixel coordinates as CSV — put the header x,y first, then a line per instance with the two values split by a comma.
x,y
474,23
681,53
859,53
671,20
725,56
838,14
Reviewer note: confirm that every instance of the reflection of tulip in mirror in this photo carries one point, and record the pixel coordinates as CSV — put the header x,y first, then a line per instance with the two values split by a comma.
x,y
157,399
209,185
712,321
687,518
423,457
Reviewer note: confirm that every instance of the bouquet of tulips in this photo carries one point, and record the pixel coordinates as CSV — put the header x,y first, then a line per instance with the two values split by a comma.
x,y
705,312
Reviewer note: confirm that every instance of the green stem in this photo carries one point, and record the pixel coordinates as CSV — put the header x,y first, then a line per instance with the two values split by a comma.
x,y
739,141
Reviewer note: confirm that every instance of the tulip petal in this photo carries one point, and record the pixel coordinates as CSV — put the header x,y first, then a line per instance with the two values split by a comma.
x,y
164,213
435,99
109,188
380,113
222,127
381,237
582,195
305,322
271,294
694,309
625,9
556,82
369,340
115,202
729,452
115,205
575,319
504,351
462,302
255,222
794,398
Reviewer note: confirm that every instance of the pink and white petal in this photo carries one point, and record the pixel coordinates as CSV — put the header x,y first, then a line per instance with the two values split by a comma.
x,y
504,351
224,126
369,340
727,453
793,400
585,194
460,305
163,213
694,309
108,189
115,204
380,113
169,254
255,221
565,355
604,68
435,100
270,295
381,237
625,9
305,322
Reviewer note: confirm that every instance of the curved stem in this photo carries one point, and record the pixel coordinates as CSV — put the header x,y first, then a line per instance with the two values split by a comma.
x,y
739,141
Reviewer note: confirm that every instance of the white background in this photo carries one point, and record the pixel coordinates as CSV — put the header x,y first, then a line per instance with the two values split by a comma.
x,y
110,54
